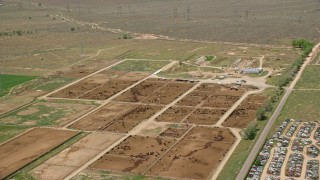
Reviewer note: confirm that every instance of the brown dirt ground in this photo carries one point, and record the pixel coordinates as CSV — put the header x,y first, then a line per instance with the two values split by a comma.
x,y
133,154
141,91
211,134
246,112
213,95
168,93
189,158
75,156
116,117
93,88
20,151
180,114
52,172
174,132
174,114
76,90
155,91
205,116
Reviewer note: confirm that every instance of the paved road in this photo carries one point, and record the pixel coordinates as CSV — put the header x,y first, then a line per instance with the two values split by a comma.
x,y
255,150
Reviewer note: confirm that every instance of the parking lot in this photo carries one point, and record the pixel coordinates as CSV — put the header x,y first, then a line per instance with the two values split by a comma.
x,y
292,152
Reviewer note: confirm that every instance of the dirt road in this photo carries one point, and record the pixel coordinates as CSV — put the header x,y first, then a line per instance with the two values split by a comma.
x,y
255,150
134,131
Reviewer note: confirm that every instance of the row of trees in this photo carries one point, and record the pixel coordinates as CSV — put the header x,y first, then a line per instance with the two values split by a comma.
x,y
250,132
306,46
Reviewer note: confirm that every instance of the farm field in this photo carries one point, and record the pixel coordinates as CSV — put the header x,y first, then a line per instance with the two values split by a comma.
x,y
24,153
9,81
310,78
303,105
49,113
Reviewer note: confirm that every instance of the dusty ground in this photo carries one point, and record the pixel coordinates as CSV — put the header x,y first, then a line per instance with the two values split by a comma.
x,y
74,156
21,150
92,88
133,155
189,158
116,117
246,112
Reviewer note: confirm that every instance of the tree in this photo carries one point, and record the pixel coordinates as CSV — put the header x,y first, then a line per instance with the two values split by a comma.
x,y
250,132
257,162
268,106
72,29
260,114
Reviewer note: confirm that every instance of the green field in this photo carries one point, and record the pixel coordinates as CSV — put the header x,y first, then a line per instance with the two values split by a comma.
x,y
302,105
9,81
310,78
7,132
140,65
54,84
44,113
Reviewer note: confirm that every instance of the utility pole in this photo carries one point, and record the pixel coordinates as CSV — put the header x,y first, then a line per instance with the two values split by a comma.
x,y
188,13
247,15
164,19
79,8
68,8
20,6
119,9
175,13
300,19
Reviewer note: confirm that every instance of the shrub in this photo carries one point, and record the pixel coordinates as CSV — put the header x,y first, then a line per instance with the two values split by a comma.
x,y
250,132
261,114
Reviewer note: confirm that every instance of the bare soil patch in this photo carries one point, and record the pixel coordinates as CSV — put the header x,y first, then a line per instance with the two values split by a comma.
x,y
134,154
205,116
169,93
174,132
52,172
174,114
116,117
214,96
75,156
20,151
246,112
141,91
189,158
211,134
100,86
